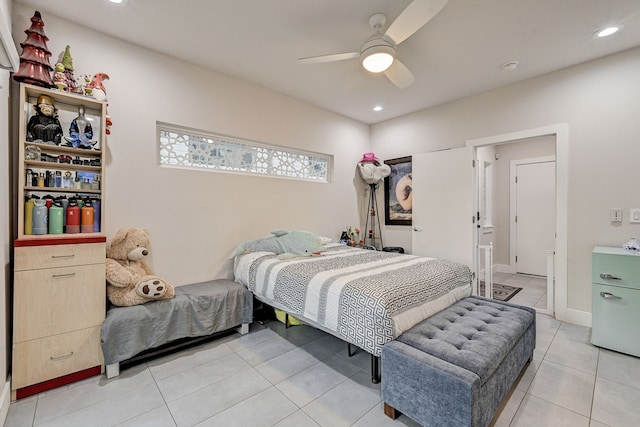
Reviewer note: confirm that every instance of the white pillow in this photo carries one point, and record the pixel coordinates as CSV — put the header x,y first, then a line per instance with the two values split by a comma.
x,y
325,240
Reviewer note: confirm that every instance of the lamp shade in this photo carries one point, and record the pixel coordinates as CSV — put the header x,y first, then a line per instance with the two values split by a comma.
x,y
377,55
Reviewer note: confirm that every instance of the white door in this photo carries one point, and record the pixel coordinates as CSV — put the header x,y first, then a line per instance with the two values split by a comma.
x,y
443,205
535,215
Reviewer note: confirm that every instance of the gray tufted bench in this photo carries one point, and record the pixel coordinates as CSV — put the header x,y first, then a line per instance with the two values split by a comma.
x,y
456,367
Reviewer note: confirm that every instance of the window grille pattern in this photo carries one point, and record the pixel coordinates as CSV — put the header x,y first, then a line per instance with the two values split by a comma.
x,y
192,149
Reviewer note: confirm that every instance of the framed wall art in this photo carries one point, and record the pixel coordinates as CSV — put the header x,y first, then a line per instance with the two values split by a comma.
x,y
398,192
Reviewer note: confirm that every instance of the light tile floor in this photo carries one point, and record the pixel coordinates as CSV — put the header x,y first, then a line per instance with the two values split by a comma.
x,y
534,288
300,377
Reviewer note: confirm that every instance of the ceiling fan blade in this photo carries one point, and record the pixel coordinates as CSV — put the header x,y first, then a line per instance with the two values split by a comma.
x,y
328,58
399,74
414,17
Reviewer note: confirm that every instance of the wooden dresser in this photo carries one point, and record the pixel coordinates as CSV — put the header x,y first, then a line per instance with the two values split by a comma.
x,y
59,307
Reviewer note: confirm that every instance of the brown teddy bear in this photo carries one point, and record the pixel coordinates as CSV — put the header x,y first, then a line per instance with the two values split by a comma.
x,y
129,280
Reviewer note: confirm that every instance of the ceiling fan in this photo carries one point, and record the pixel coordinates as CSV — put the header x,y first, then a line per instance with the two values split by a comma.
x,y
378,53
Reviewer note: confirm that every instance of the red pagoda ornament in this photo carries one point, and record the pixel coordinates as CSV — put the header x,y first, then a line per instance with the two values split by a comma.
x,y
34,59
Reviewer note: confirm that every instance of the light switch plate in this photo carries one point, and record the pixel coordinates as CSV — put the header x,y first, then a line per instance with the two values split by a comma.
x,y
634,215
616,215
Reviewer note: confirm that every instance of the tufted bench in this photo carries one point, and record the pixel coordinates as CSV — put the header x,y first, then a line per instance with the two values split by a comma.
x,y
456,367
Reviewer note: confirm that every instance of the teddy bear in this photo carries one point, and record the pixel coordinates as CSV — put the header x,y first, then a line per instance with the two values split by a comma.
x,y
130,281
287,244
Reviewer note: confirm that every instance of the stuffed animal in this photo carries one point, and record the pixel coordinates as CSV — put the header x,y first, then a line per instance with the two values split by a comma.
x,y
287,244
129,280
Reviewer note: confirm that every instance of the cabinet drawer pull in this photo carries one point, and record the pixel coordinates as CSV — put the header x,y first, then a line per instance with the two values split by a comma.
x,y
62,256
58,276
607,276
608,295
62,356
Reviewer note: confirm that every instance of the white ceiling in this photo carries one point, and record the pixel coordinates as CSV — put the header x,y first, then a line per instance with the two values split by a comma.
x,y
458,53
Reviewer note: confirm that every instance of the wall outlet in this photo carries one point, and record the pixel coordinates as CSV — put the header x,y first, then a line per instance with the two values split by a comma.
x,y
616,215
634,215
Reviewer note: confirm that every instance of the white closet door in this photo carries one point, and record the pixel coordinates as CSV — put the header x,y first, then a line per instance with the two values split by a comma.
x,y
535,214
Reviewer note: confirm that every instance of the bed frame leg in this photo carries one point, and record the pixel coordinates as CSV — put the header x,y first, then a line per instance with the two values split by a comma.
x,y
243,329
113,370
375,369
349,352
286,320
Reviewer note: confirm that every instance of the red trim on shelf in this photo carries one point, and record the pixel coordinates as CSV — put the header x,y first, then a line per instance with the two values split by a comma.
x,y
57,382
70,240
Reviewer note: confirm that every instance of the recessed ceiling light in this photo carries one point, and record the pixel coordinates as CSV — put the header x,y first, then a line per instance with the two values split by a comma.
x,y
377,108
608,31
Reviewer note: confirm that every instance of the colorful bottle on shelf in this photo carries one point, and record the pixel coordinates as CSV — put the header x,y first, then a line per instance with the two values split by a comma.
x,y
40,217
96,215
28,216
86,224
56,214
73,217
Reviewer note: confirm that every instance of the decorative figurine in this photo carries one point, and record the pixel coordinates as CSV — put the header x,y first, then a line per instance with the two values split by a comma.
x,y
96,87
45,127
59,79
67,62
80,132
34,59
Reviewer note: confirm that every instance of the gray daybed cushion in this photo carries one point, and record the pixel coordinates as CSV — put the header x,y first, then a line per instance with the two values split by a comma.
x,y
197,310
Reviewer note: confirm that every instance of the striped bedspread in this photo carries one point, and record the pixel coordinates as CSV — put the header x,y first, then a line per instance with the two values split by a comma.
x,y
364,297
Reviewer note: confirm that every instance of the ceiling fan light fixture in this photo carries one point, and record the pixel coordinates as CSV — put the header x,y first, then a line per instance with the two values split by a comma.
x,y
378,57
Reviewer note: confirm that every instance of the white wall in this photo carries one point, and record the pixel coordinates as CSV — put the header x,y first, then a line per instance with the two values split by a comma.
x,y
599,100
196,218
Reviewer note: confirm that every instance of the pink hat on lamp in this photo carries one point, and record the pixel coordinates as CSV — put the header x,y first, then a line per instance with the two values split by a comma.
x,y
369,157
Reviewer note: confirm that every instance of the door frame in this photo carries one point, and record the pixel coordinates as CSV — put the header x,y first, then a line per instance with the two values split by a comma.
x,y
561,133
512,204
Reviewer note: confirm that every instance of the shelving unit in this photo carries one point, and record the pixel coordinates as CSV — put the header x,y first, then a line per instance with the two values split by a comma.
x,y
59,279
67,105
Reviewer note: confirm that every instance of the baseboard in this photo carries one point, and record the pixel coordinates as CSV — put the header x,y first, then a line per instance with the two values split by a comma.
x,y
5,400
504,268
577,317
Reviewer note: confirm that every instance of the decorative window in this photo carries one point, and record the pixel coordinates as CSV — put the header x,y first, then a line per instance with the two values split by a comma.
x,y
188,148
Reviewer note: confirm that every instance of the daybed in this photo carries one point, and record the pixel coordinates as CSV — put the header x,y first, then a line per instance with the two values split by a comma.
x,y
366,298
197,310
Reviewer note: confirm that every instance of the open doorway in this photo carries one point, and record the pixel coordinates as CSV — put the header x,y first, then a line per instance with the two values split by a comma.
x,y
495,156
517,212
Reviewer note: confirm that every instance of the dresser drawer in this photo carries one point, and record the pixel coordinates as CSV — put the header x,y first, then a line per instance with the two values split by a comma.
x,y
36,257
52,357
57,300
616,269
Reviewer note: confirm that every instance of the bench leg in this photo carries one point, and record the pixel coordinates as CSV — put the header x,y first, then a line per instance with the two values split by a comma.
x,y
390,411
113,370
243,329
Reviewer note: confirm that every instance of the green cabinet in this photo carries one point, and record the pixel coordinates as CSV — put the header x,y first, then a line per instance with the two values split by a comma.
x,y
616,299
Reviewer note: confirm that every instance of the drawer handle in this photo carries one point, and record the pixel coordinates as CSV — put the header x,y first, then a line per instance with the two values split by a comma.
x,y
608,295
62,256
62,356
607,276
58,276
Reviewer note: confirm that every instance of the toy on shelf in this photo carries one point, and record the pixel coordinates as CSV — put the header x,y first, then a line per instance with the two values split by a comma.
x,y
80,132
44,127
95,87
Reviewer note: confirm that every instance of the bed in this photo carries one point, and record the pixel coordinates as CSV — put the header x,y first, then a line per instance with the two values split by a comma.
x,y
366,298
